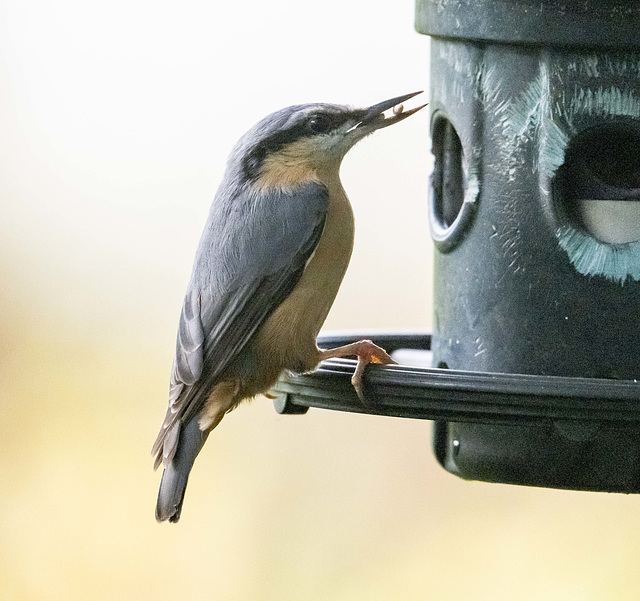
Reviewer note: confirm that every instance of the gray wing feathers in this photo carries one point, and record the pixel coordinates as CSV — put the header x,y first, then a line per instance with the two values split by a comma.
x,y
189,355
187,368
251,255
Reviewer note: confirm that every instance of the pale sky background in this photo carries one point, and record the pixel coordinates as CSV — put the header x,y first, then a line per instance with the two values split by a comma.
x,y
115,122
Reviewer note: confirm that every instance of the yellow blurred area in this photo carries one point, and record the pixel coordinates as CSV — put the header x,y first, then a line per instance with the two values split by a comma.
x,y
116,120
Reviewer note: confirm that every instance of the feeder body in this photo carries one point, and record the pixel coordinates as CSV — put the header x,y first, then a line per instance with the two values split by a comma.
x,y
533,105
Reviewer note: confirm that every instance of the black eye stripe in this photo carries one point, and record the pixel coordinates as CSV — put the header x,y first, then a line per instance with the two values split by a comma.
x,y
254,159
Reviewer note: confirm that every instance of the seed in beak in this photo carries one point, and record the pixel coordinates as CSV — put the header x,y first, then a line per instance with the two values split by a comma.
x,y
397,110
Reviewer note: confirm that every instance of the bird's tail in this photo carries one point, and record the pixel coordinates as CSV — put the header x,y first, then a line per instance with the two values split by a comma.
x,y
176,472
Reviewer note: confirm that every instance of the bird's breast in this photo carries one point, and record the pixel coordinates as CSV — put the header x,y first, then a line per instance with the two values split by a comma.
x,y
327,265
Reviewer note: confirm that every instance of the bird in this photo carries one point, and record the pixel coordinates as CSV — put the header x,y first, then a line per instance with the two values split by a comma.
x,y
273,253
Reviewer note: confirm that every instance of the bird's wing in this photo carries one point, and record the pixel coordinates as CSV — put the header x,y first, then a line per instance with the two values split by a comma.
x,y
249,260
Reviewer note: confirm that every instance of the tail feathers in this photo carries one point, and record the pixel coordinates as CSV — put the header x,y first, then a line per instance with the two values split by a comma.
x,y
176,472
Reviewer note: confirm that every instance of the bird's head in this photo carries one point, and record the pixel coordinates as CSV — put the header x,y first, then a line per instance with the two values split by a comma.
x,y
296,143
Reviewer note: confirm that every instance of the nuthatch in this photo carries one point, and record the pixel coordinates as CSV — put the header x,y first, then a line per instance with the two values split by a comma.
x,y
274,250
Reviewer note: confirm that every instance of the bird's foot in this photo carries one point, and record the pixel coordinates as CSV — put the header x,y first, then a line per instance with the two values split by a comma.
x,y
366,352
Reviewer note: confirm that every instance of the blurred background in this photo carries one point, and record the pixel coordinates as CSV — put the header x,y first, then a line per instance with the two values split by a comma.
x,y
116,119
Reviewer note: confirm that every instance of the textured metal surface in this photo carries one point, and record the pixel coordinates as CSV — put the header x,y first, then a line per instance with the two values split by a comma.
x,y
602,23
522,287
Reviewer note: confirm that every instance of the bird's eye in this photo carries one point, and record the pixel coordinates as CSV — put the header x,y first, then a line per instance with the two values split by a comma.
x,y
319,124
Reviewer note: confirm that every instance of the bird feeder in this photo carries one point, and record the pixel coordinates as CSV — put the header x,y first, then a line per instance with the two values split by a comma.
x,y
535,215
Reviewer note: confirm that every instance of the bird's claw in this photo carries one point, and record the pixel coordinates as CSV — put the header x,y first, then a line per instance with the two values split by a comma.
x,y
367,352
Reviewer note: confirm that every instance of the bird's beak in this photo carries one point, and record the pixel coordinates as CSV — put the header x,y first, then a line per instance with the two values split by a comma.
x,y
373,117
